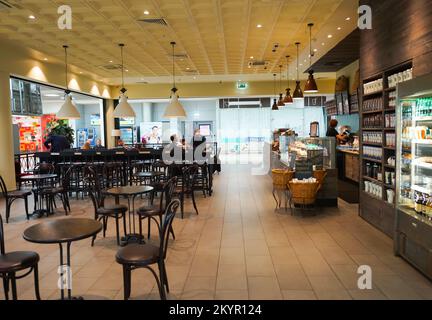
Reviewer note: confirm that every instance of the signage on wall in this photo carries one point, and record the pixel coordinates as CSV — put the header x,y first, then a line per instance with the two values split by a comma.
x,y
315,101
242,85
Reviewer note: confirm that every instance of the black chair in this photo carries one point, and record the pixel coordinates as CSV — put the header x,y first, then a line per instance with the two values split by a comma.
x,y
152,212
62,191
202,179
11,196
102,212
136,256
187,186
13,262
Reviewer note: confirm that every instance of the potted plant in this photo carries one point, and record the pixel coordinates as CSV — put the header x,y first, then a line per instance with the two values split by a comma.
x,y
60,128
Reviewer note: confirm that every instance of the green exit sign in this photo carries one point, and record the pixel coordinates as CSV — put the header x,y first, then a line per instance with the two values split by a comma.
x,y
242,85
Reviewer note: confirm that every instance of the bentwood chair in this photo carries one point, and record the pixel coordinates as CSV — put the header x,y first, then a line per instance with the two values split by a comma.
x,y
136,256
62,191
11,196
13,262
153,212
187,187
102,212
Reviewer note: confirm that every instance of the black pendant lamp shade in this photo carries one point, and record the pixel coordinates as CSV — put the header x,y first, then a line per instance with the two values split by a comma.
x,y
311,86
298,93
288,98
275,104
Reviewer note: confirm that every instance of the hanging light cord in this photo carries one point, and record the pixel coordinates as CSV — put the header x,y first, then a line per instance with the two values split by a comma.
x,y
121,45
297,44
173,66
310,43
274,84
280,77
287,59
66,68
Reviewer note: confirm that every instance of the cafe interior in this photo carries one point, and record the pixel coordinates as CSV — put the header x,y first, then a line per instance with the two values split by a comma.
x,y
216,150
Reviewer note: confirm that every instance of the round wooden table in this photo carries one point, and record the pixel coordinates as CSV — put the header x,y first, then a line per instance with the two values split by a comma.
x,y
63,231
130,192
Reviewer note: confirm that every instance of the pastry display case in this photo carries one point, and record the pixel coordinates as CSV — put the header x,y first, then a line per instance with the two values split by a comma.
x,y
304,154
414,173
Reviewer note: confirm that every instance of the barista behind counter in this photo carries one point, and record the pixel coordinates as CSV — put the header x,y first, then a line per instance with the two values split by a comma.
x,y
348,158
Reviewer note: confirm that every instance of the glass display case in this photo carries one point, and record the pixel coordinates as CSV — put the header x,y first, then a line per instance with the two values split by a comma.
x,y
415,157
413,236
303,154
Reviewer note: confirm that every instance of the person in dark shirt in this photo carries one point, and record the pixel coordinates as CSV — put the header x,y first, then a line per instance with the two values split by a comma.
x,y
56,143
332,132
197,142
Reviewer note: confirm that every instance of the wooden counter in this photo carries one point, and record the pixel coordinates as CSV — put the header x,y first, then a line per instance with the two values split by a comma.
x,y
349,165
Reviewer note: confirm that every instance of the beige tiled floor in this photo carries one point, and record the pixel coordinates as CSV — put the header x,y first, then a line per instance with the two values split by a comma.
x,y
238,247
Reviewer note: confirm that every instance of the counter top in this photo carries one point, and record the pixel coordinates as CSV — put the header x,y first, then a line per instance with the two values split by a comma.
x,y
350,151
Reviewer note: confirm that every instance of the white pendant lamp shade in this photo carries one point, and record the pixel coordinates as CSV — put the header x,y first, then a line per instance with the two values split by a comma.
x,y
174,108
68,110
124,109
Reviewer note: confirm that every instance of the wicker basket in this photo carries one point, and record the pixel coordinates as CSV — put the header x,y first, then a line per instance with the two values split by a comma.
x,y
303,193
320,175
281,178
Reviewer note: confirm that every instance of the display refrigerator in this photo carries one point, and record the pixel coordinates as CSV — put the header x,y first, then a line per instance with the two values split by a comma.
x,y
413,238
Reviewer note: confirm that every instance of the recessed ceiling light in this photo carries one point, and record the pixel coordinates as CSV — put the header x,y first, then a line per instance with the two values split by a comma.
x,y
259,25
187,68
323,44
301,64
194,77
111,61
330,36
32,17
315,50
45,59
146,12
348,19
127,70
251,57
339,28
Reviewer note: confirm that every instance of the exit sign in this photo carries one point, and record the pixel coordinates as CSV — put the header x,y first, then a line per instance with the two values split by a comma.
x,y
242,85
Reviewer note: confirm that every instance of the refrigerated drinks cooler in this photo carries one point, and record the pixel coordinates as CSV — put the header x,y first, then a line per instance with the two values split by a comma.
x,y
413,238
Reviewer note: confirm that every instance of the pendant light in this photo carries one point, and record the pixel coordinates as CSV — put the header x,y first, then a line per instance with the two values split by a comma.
x,y
275,104
298,94
123,109
281,99
288,99
174,108
311,86
68,110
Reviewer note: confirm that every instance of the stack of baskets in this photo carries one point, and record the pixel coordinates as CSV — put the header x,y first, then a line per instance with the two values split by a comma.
x,y
281,178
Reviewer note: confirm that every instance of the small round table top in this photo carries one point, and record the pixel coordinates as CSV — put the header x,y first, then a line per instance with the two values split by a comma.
x,y
39,176
129,190
62,230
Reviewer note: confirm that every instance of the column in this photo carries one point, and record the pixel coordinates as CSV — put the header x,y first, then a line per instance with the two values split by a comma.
x,y
110,141
7,166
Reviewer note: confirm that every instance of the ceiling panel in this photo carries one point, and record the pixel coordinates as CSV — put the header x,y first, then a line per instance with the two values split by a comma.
x,y
218,36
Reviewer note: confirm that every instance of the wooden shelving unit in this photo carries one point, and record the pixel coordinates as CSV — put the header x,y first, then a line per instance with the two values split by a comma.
x,y
377,211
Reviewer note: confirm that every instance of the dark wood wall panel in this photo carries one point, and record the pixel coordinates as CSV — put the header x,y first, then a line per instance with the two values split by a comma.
x,y
402,31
